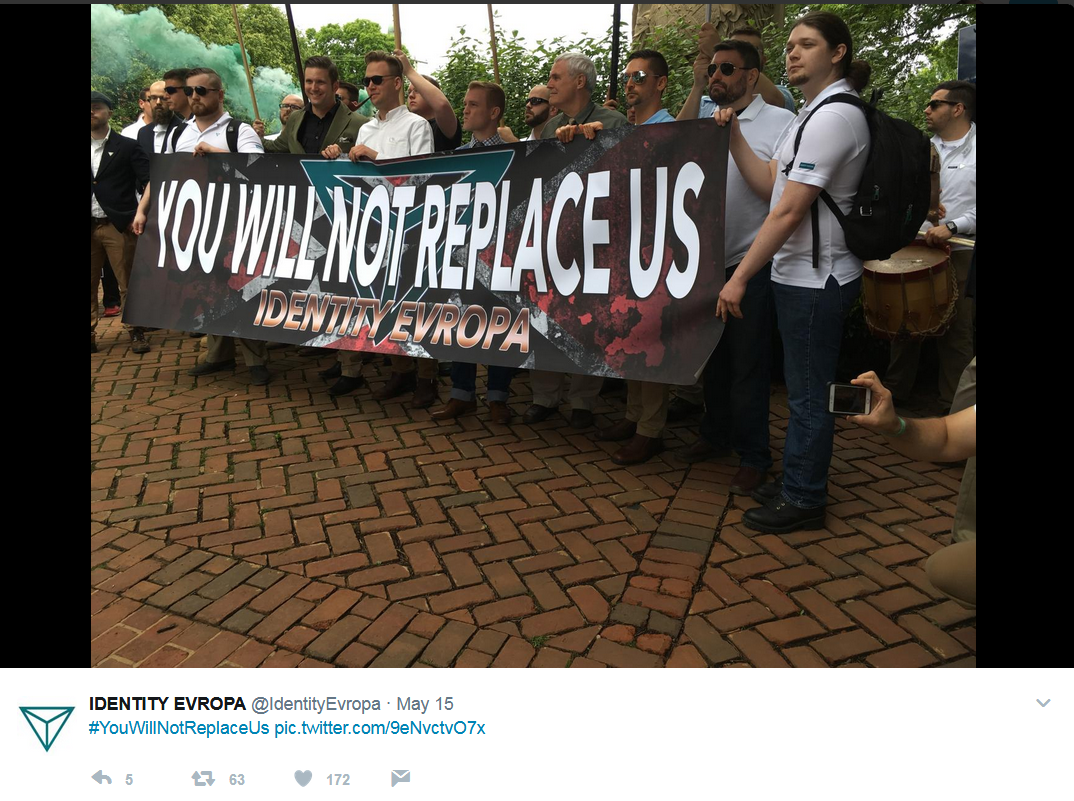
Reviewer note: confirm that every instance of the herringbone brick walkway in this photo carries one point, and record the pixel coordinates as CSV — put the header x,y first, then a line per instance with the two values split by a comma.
x,y
276,526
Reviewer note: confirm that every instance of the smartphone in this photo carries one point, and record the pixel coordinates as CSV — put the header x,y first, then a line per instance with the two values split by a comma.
x,y
849,399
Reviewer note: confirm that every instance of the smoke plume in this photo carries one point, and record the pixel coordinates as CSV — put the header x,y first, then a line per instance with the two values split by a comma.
x,y
118,41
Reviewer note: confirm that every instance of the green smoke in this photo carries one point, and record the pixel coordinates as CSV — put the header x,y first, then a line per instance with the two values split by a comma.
x,y
124,46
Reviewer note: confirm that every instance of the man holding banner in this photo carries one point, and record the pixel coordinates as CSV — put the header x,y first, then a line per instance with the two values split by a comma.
x,y
738,376
324,121
214,131
644,81
393,133
571,84
482,112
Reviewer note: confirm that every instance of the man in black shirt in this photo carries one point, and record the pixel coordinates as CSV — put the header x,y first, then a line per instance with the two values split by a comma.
x,y
119,169
426,100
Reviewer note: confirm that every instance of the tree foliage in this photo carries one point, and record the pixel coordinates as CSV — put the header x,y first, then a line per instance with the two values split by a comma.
x,y
264,30
910,48
522,66
346,45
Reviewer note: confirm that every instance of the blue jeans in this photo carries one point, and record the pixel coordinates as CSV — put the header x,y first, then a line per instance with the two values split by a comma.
x,y
464,381
738,378
811,325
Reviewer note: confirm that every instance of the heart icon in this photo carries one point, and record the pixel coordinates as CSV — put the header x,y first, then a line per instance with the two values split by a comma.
x,y
303,777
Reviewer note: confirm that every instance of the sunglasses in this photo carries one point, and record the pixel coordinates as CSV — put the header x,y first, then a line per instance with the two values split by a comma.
x,y
290,106
725,67
376,79
535,101
935,104
201,90
638,77
157,99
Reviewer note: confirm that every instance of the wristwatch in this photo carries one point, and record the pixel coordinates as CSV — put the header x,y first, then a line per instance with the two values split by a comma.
x,y
952,228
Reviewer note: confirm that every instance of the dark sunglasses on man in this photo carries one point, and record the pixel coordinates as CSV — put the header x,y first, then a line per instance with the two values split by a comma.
x,y
935,104
376,79
201,90
535,101
726,68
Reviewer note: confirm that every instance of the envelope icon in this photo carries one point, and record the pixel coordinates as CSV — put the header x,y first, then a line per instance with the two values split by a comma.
x,y
400,776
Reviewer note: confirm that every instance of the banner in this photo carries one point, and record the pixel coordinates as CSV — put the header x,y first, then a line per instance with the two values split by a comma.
x,y
602,257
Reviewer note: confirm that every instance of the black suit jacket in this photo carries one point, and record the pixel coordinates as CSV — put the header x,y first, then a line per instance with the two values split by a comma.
x,y
145,133
124,170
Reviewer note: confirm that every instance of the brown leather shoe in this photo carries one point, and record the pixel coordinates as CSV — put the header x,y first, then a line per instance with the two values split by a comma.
x,y
454,408
138,343
746,480
397,385
499,412
639,449
425,394
536,414
617,432
700,451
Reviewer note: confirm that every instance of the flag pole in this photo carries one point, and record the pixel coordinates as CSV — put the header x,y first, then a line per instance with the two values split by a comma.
x,y
613,84
298,58
245,63
398,43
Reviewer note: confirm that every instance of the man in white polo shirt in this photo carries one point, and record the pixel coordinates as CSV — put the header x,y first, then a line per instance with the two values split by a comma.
x,y
738,376
812,299
207,133
949,114
394,132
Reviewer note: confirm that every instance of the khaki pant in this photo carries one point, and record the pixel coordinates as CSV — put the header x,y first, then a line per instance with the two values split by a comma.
x,y
953,571
965,527
691,393
350,362
647,405
222,349
955,347
119,248
548,388
427,368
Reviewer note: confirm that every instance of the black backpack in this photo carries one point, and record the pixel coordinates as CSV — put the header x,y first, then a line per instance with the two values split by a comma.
x,y
231,132
894,194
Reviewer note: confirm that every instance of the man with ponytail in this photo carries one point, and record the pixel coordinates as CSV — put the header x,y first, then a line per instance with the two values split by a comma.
x,y
815,277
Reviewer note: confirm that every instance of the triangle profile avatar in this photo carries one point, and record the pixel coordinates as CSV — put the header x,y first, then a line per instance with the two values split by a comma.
x,y
47,722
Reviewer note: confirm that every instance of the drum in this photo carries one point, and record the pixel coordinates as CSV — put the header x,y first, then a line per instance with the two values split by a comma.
x,y
910,295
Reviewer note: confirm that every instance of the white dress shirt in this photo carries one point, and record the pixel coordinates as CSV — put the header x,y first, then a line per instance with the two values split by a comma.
x,y
216,136
131,131
834,149
958,183
95,154
401,133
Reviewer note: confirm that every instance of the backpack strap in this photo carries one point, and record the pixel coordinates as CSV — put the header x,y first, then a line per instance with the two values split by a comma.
x,y
231,133
814,210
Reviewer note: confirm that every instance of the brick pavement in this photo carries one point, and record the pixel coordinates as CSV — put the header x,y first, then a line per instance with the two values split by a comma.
x,y
279,527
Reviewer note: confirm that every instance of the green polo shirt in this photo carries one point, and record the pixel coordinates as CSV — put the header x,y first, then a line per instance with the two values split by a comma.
x,y
591,113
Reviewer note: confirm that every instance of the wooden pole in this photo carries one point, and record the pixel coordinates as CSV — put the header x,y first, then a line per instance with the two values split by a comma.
x,y
245,63
398,44
298,58
495,55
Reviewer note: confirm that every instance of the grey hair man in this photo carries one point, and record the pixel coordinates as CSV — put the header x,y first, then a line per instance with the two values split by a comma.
x,y
571,84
